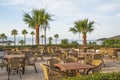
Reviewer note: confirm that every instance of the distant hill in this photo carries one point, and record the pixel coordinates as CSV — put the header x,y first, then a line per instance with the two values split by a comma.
x,y
101,39
114,37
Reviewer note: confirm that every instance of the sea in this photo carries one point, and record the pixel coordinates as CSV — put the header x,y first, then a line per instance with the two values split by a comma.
x,y
29,41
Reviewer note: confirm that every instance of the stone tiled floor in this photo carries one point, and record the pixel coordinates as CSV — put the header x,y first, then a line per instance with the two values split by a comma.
x,y
31,75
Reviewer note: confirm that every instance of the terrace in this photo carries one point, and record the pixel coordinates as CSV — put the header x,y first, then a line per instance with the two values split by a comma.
x,y
30,74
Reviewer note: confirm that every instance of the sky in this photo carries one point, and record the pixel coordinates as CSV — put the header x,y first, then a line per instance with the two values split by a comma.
x,y
105,13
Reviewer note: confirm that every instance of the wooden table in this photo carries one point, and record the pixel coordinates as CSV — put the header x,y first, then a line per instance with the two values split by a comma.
x,y
25,51
14,55
117,52
74,66
117,49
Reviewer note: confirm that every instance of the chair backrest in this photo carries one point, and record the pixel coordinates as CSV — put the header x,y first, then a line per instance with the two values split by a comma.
x,y
103,50
97,57
48,49
45,71
70,59
110,51
1,62
97,68
63,55
15,62
96,62
53,61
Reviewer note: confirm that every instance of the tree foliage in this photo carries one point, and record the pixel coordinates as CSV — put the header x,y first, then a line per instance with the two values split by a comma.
x,y
111,42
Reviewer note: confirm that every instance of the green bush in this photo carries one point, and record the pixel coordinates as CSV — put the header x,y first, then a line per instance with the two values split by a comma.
x,y
99,76
111,41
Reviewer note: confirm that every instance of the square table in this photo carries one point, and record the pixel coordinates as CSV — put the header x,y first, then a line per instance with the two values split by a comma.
x,y
72,66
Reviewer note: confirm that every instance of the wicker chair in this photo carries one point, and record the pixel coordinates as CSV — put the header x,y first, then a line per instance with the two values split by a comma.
x,y
38,53
99,57
30,61
51,73
63,55
53,61
103,51
96,69
49,51
15,64
111,53
70,59
2,63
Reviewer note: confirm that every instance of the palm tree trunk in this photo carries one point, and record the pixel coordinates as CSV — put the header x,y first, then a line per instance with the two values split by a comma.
x,y
45,34
3,41
32,39
84,39
56,41
14,40
45,47
42,41
24,39
37,35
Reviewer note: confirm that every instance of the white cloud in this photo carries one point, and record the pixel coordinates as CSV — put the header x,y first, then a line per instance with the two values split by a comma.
x,y
118,14
67,11
108,7
13,2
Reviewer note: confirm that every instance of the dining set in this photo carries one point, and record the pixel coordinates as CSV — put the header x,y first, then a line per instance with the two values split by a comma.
x,y
15,61
71,66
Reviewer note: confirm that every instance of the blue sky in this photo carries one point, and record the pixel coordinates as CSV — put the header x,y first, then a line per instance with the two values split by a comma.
x,y
106,14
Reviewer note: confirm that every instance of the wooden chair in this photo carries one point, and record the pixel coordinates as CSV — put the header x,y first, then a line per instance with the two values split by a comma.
x,y
15,64
51,73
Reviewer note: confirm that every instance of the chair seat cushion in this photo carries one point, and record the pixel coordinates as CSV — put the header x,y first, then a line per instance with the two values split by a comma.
x,y
96,62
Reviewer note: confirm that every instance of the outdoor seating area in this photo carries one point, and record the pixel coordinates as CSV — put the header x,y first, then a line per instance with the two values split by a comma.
x,y
41,40
21,64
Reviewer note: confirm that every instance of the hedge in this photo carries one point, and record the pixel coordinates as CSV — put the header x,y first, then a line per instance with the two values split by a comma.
x,y
99,76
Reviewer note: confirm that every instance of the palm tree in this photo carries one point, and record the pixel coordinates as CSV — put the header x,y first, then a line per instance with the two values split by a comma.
x,y
56,36
24,32
44,27
83,26
21,42
14,33
42,36
37,19
3,36
32,33
50,40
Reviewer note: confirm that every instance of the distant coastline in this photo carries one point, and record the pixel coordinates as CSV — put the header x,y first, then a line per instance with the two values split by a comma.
x,y
29,41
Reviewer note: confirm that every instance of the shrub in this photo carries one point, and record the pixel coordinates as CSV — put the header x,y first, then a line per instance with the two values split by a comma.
x,y
99,76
